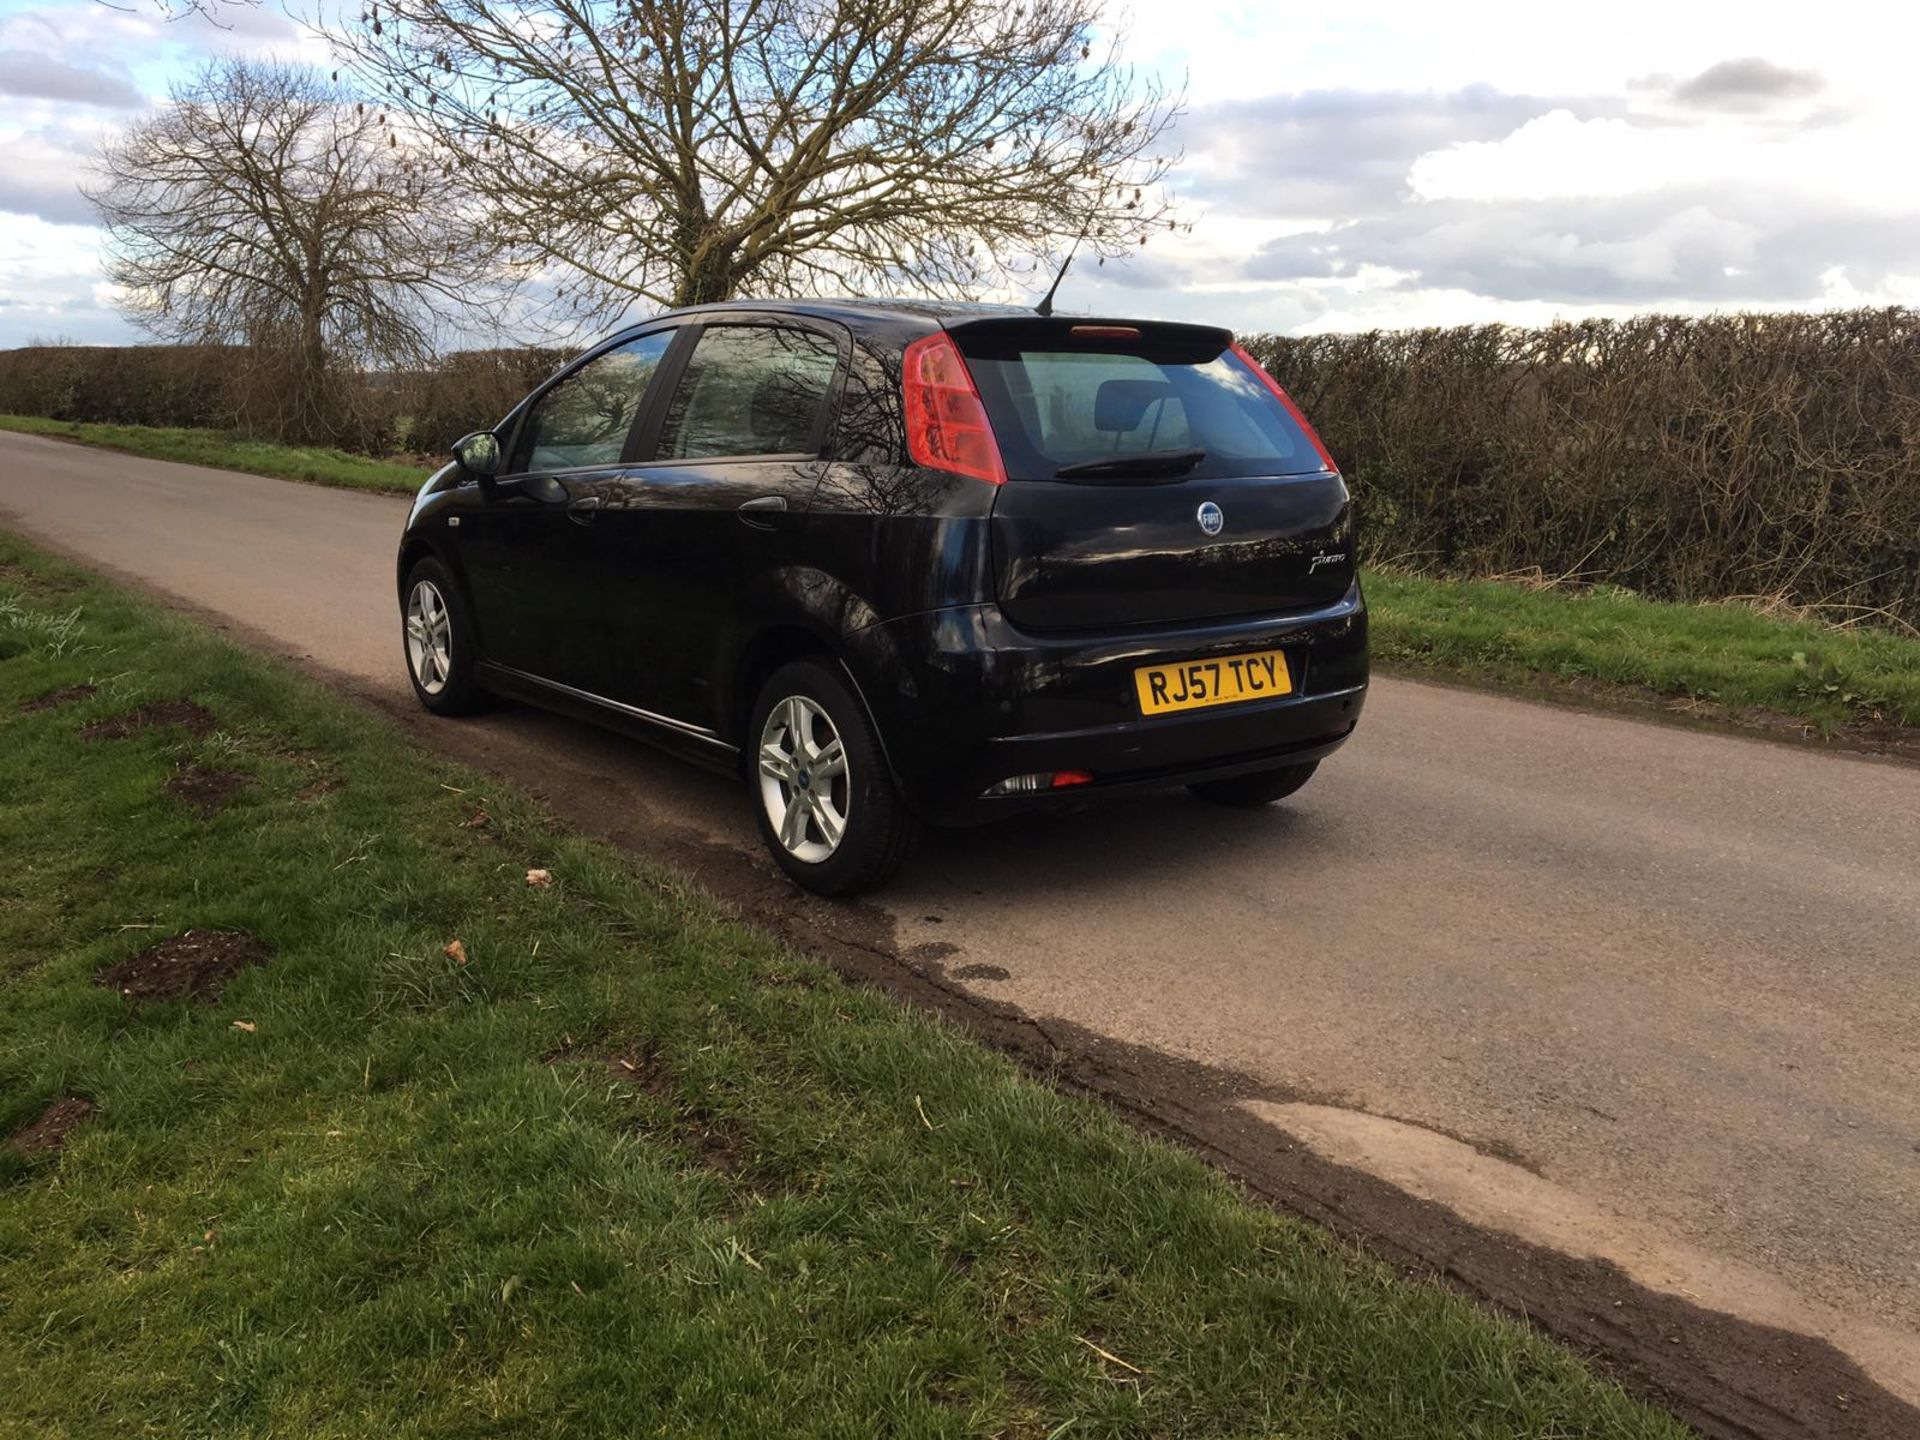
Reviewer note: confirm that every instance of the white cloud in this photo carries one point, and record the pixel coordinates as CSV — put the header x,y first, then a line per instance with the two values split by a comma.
x,y
50,284
41,172
1559,155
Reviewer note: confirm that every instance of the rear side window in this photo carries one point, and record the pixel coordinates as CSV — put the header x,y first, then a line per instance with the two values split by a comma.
x,y
750,390
1053,408
584,418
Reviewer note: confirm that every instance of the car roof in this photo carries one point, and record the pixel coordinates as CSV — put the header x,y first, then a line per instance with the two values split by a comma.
x,y
898,322
855,311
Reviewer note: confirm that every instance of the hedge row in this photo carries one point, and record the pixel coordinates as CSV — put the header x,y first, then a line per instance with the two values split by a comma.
x,y
120,384
1690,459
470,390
220,388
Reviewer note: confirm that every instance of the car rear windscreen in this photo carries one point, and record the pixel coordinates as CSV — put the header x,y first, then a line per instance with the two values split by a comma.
x,y
1058,408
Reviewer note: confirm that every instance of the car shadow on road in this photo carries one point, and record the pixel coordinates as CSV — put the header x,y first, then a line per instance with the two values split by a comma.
x,y
646,799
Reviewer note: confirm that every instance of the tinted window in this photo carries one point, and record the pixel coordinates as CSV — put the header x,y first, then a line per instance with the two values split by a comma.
x,y
750,390
1052,408
584,419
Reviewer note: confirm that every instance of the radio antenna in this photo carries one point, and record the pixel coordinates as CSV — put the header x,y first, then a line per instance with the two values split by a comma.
x,y
1045,307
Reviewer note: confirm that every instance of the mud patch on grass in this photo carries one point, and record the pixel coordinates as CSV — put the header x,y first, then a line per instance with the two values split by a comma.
x,y
314,789
783,976
190,716
712,1141
196,965
34,580
65,695
48,1134
203,789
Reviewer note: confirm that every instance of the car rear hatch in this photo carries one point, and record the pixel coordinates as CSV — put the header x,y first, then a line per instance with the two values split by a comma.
x,y
1154,475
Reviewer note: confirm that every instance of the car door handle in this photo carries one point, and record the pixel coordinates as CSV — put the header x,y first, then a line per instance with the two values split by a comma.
x,y
759,513
582,508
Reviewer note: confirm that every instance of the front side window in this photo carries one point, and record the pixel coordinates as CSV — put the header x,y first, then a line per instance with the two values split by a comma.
x,y
584,419
750,390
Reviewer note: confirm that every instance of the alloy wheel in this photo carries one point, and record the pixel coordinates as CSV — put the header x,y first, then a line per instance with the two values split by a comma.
x,y
429,637
803,779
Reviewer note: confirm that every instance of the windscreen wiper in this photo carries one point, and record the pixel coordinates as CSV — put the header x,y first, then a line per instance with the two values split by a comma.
x,y
1148,463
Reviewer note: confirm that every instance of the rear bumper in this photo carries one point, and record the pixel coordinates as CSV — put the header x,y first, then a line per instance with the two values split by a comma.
x,y
964,699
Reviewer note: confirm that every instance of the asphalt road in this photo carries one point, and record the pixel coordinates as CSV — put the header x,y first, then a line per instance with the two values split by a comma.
x,y
1664,983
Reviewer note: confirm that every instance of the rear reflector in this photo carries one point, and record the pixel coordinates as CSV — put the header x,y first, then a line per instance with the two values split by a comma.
x,y
947,425
1285,399
1045,780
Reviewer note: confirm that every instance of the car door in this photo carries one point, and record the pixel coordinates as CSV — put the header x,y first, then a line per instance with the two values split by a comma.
x,y
695,533
532,565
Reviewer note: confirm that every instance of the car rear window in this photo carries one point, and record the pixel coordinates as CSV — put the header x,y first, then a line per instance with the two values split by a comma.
x,y
1056,407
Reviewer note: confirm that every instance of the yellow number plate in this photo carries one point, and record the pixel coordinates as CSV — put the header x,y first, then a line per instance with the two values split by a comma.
x,y
1199,683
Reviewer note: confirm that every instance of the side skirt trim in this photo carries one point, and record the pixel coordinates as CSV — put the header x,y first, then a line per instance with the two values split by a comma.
x,y
633,712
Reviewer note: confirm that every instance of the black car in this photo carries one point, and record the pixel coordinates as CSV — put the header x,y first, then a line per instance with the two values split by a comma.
x,y
898,562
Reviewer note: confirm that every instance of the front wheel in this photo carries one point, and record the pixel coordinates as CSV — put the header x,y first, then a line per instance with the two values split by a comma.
x,y
439,641
1261,788
827,807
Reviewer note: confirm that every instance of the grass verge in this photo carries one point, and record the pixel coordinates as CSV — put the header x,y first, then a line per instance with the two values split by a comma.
x,y
612,1165
224,451
1730,656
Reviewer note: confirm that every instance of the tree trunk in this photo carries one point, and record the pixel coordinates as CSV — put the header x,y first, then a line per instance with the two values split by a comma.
x,y
316,420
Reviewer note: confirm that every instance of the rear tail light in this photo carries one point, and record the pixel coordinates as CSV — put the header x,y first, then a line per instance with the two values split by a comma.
x,y
947,425
1287,400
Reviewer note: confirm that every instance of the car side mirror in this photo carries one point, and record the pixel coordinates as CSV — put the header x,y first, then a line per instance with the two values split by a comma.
x,y
479,454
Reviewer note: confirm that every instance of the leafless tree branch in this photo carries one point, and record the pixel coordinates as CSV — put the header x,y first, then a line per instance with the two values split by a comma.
x,y
682,151
212,11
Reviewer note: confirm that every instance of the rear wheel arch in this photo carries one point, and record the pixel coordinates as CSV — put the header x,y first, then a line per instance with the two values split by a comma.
x,y
763,656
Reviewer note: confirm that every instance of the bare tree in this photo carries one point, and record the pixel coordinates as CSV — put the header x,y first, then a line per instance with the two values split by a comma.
x,y
683,151
262,207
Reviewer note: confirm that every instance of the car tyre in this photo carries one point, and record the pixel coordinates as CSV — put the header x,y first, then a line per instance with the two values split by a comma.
x,y
824,797
436,637
1263,787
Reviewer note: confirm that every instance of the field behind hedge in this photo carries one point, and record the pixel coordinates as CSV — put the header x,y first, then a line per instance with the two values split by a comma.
x,y
1767,456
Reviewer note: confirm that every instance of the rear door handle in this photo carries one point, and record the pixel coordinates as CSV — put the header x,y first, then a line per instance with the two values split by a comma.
x,y
582,508
759,513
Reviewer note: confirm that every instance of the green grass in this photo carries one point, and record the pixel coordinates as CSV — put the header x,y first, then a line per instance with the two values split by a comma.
x,y
415,1200
1731,655
224,451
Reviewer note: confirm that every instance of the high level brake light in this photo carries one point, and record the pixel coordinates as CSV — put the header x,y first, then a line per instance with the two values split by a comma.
x,y
1285,399
947,425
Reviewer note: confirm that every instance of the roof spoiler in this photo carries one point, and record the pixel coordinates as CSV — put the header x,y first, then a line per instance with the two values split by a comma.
x,y
1172,340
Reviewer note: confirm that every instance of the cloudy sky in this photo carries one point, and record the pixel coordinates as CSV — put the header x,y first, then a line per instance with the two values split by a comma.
x,y
1405,163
